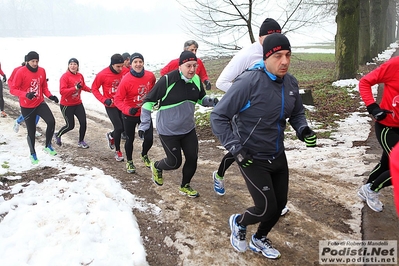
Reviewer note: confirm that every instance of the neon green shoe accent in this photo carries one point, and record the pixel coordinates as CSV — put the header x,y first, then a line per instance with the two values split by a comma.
x,y
34,159
50,150
189,191
130,168
156,175
146,160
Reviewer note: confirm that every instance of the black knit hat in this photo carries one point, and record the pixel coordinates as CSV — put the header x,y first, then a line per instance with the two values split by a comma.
x,y
32,55
136,55
186,56
269,26
275,42
125,56
117,59
74,60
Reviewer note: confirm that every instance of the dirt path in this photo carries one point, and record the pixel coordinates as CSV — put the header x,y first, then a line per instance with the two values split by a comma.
x,y
195,231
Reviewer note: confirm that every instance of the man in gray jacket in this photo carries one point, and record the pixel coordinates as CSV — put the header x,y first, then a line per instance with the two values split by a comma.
x,y
249,121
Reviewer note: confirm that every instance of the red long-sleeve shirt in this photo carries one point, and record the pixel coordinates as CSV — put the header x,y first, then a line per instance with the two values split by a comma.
x,y
12,76
387,73
132,91
69,95
174,64
27,81
109,81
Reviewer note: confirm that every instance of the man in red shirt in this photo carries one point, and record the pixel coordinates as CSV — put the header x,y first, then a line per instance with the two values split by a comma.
x,y
109,79
30,85
191,46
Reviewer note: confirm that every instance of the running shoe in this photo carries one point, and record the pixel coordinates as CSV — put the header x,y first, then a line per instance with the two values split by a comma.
x,y
119,156
57,139
284,211
146,160
371,197
49,149
82,144
156,175
218,184
264,246
238,234
130,168
33,159
38,134
110,140
16,126
3,114
189,191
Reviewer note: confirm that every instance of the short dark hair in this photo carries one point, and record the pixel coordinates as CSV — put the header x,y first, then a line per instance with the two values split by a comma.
x,y
189,43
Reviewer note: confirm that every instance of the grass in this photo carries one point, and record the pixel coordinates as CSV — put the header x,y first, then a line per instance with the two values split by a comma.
x,y
315,72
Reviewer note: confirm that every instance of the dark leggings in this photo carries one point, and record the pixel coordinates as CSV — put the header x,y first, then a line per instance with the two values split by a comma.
x,y
388,137
1,97
69,112
173,146
267,182
30,120
115,115
130,123
226,162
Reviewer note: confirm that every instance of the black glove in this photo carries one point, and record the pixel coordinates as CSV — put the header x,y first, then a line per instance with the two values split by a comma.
x,y
78,86
208,85
243,159
133,111
215,101
108,102
378,113
309,136
30,95
4,78
53,98
141,134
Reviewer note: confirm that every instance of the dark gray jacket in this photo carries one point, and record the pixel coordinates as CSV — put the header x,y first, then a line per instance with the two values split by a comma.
x,y
253,114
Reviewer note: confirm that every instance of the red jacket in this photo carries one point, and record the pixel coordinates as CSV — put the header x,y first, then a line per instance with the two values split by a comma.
x,y
174,64
27,81
11,78
109,81
387,73
125,70
69,95
132,91
394,168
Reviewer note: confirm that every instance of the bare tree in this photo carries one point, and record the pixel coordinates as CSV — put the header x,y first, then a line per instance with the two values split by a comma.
x,y
223,24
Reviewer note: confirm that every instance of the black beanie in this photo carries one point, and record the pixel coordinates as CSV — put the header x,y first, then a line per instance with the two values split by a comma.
x,y
125,56
275,42
74,60
269,26
117,59
32,55
136,55
186,56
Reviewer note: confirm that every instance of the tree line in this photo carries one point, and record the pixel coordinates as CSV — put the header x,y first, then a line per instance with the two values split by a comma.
x,y
364,27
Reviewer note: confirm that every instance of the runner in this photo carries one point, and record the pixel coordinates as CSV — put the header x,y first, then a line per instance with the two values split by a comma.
x,y
30,85
72,84
132,90
109,79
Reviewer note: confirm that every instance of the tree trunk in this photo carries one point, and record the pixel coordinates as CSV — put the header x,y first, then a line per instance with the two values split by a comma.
x,y
364,32
376,30
347,39
391,22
